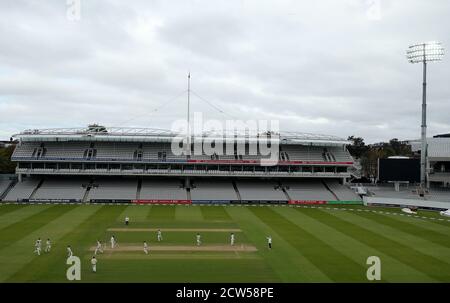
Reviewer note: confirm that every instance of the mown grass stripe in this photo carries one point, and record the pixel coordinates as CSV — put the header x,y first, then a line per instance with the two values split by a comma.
x,y
20,253
419,243
439,220
162,212
18,230
426,224
375,236
91,227
215,213
7,208
412,229
136,213
286,261
393,270
20,214
325,257
188,213
339,241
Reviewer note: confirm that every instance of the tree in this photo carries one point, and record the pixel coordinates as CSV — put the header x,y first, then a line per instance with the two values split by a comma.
x,y
6,165
369,154
358,147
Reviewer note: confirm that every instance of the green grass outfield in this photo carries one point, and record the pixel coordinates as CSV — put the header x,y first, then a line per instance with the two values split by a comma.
x,y
310,244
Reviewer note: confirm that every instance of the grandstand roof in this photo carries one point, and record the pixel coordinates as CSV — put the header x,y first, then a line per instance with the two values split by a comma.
x,y
129,134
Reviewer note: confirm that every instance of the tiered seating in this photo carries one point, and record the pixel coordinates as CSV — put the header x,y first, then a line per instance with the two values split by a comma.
x,y
25,149
154,189
305,153
150,151
61,189
65,150
226,157
341,191
4,184
409,192
253,157
316,153
439,194
213,190
201,157
116,151
260,190
22,190
341,155
307,190
389,192
113,189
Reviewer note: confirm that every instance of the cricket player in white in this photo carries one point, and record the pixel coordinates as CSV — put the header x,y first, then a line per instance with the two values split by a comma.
x,y
159,235
199,240
98,248
48,245
113,241
232,239
145,248
94,264
127,220
37,246
69,251
269,242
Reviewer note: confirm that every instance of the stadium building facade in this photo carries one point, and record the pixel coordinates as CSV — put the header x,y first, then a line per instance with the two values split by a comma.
x,y
138,165
438,159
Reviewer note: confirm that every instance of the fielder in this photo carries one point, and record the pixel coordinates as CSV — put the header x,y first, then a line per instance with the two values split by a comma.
x,y
232,239
127,220
269,242
145,248
69,251
94,264
113,242
199,240
159,235
48,245
37,246
98,248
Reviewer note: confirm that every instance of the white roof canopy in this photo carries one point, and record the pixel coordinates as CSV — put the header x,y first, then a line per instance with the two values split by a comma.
x,y
128,134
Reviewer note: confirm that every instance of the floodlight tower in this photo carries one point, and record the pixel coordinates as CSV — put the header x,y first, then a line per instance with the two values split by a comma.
x,y
423,53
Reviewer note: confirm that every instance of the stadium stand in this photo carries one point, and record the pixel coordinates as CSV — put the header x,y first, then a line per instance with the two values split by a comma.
x,y
409,192
115,151
306,153
260,190
204,190
137,165
70,189
108,189
438,156
66,150
162,189
343,193
4,185
307,190
23,190
25,149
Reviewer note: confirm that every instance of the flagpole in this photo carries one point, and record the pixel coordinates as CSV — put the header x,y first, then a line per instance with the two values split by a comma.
x,y
188,143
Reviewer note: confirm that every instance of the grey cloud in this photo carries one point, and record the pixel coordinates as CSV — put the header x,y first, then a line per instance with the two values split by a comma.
x,y
320,66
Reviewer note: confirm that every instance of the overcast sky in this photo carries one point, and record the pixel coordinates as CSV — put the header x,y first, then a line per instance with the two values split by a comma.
x,y
325,66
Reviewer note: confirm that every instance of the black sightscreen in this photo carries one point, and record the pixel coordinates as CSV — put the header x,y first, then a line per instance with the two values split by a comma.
x,y
399,170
